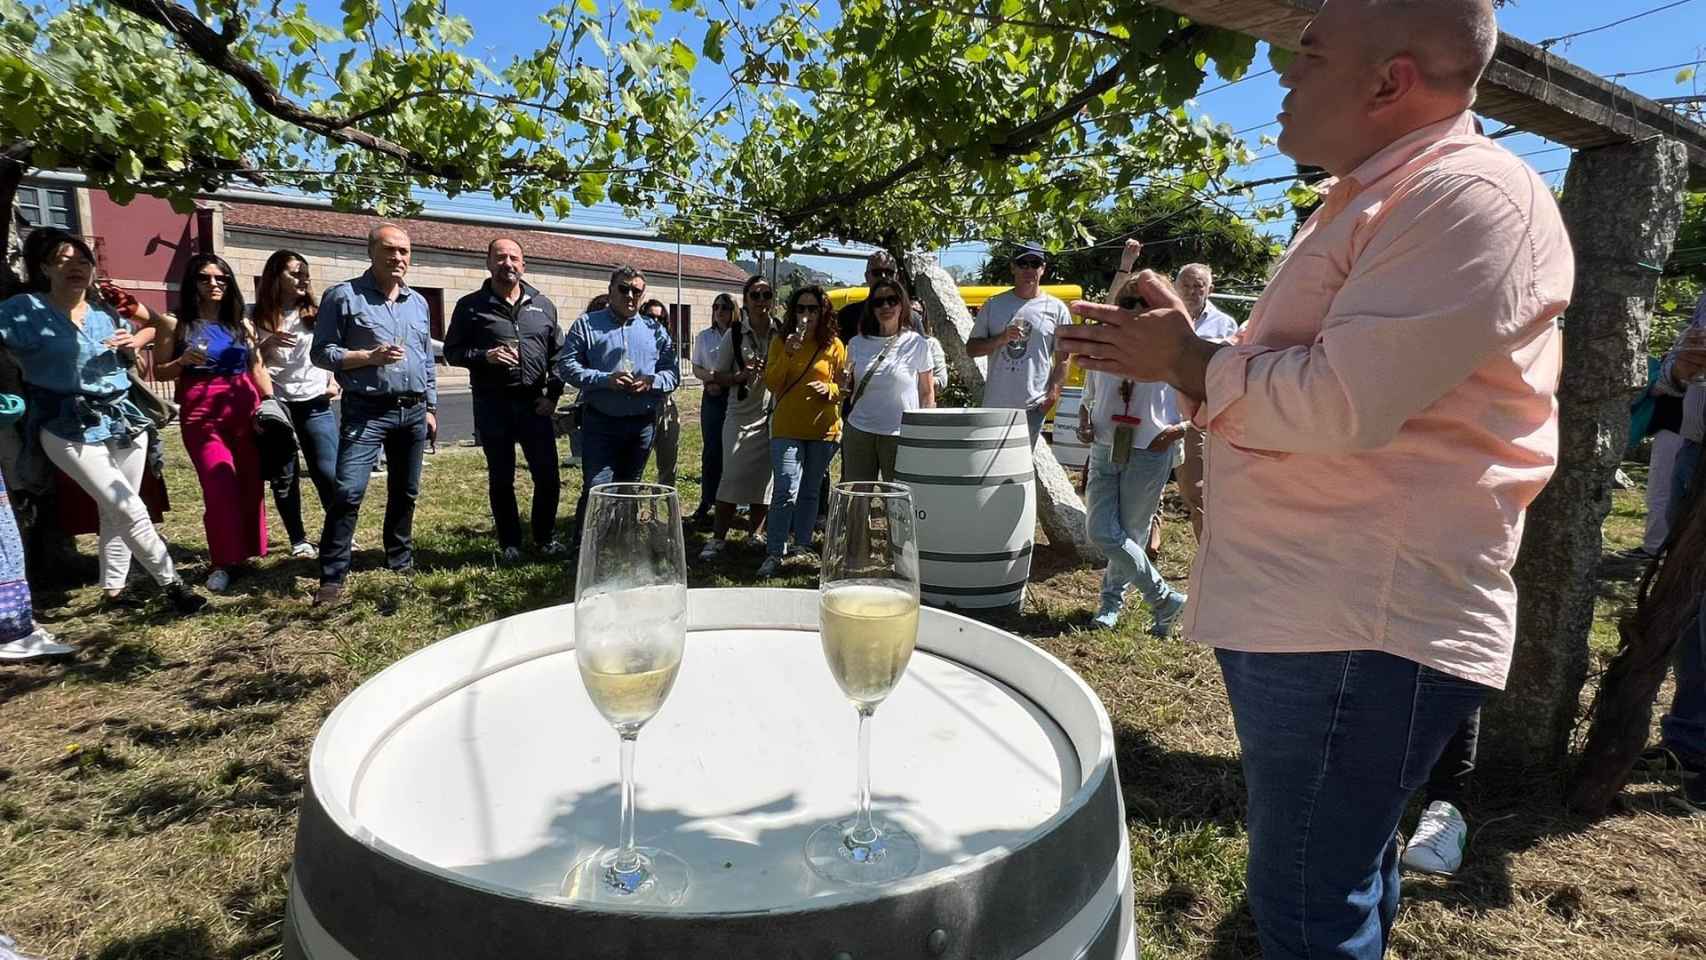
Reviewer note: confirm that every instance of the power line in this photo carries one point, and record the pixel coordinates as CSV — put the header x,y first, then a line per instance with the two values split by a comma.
x,y
1548,44
1231,83
1642,73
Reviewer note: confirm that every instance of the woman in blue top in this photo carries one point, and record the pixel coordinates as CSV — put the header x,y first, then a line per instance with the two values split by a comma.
x,y
78,413
222,379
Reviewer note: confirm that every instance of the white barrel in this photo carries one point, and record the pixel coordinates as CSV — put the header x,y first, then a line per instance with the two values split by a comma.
x,y
448,796
1067,448
974,487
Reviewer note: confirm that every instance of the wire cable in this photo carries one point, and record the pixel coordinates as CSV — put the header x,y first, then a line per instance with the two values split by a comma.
x,y
1550,43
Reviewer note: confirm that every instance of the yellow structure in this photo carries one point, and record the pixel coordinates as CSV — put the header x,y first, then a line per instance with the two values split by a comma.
x,y
975,298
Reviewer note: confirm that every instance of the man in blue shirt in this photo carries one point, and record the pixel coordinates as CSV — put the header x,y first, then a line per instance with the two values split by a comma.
x,y
375,335
624,364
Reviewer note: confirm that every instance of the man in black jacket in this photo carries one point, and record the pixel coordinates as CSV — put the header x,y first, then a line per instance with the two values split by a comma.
x,y
506,334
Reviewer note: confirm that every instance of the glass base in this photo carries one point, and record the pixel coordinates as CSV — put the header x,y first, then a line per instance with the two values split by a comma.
x,y
658,879
834,854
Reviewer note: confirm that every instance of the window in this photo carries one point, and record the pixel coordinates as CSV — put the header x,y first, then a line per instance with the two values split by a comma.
x,y
47,207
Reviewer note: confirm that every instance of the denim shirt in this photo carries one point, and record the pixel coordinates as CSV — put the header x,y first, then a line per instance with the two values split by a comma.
x,y
594,350
354,315
70,364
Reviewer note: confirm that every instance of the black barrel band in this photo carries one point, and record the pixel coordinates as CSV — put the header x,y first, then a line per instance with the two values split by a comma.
x,y
1018,442
997,556
1014,419
990,480
971,591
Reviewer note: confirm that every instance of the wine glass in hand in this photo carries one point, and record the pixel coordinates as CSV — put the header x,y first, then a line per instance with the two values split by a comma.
x,y
868,615
630,632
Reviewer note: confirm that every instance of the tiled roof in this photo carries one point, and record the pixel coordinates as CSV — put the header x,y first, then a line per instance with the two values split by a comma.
x,y
471,238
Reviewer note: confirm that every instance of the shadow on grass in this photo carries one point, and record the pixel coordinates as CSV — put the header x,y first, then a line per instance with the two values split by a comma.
x,y
178,941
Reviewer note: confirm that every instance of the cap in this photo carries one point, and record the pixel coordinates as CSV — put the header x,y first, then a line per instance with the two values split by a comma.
x,y
1029,250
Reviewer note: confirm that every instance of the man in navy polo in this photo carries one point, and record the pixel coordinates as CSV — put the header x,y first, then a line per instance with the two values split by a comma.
x,y
624,363
375,335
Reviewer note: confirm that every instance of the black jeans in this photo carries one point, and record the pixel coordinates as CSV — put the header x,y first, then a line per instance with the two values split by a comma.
x,y
504,420
613,450
712,412
1451,775
317,437
402,433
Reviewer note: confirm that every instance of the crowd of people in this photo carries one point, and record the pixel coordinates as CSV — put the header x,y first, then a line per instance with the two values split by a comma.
x,y
1372,437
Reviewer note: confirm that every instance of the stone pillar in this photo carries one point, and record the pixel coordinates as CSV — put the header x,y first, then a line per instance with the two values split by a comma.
x,y
1059,508
1623,205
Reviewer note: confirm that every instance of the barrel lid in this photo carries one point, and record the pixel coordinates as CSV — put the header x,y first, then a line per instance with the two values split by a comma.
x,y
479,759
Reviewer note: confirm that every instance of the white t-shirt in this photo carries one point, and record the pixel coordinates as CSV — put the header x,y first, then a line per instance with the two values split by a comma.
x,y
294,376
1151,403
938,363
1018,371
706,343
893,389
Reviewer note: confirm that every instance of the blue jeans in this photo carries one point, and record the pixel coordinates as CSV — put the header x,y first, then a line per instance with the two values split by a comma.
x,y
1122,499
799,467
317,437
504,420
1333,745
1683,728
368,427
712,412
613,450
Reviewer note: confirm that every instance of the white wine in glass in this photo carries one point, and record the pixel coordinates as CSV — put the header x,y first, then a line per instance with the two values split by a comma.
x,y
868,614
630,633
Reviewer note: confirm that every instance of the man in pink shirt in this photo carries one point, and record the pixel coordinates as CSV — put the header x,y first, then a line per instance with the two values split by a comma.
x,y
1375,434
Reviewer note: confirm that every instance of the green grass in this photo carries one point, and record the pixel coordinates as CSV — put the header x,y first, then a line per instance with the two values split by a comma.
x,y
148,789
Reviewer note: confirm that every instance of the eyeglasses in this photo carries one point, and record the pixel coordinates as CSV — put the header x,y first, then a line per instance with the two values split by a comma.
x,y
1131,303
808,308
213,278
629,290
762,296
883,303
1029,263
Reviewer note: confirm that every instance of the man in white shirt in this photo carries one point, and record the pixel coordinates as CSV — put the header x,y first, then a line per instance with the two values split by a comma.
x,y
1131,428
1196,282
1016,331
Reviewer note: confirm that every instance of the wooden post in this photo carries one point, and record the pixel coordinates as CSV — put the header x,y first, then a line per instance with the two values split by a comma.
x,y
1059,509
1623,205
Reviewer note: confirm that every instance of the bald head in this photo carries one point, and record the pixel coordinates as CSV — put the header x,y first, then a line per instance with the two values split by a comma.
x,y
1452,41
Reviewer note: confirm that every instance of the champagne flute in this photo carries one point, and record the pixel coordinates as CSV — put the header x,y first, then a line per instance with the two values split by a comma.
x,y
868,613
630,630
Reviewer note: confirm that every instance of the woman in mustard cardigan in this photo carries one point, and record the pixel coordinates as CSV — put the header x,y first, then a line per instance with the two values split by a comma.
x,y
801,374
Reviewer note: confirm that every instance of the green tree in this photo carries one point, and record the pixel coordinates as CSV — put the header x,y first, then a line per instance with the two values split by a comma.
x,y
1175,229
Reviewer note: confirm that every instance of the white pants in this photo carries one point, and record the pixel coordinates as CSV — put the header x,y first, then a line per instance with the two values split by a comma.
x,y
111,474
1666,443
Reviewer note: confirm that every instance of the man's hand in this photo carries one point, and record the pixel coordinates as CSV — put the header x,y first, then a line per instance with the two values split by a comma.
x,y
1051,398
638,384
503,356
1009,333
1128,256
383,355
544,406
1167,437
1086,429
1156,345
432,425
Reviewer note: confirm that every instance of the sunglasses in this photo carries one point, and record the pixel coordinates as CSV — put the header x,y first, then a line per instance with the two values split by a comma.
x,y
808,308
1029,263
883,303
212,278
762,296
628,290
1131,303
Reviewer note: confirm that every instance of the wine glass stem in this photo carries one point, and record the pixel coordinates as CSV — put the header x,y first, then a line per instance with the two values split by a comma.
x,y
863,831
626,858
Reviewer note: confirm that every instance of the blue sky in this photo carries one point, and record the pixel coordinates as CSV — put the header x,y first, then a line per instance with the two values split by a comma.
x,y
1666,38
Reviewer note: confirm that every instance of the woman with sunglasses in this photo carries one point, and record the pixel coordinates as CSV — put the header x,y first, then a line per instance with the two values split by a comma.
x,y
889,373
802,372
746,428
1131,428
713,404
284,321
78,412
222,380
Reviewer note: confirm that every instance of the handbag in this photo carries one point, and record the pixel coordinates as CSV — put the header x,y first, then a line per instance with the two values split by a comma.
x,y
865,380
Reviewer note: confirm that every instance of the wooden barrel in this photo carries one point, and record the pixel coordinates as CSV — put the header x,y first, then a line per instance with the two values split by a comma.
x,y
974,486
448,796
1067,447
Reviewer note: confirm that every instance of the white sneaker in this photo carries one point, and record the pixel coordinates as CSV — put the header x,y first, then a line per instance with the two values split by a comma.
x,y
304,551
1437,845
37,644
218,581
713,549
